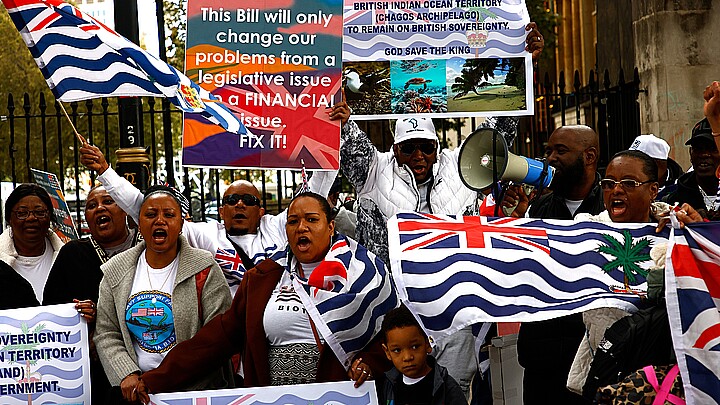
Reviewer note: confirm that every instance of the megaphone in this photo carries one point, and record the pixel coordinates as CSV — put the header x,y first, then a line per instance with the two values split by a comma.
x,y
486,150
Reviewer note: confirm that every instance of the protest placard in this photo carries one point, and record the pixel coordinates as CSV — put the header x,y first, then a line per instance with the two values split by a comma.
x,y
443,58
65,228
323,393
44,356
277,65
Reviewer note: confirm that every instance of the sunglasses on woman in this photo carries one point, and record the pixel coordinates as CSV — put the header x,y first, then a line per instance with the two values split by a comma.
x,y
627,184
247,199
427,148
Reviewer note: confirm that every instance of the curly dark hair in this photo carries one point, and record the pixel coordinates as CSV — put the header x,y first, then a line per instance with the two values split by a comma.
x,y
399,317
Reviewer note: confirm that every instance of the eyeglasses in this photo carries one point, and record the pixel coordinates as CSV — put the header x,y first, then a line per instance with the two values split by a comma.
x,y
247,199
25,214
427,148
626,184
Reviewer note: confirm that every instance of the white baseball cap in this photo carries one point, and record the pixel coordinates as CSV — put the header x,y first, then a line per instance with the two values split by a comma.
x,y
653,146
414,128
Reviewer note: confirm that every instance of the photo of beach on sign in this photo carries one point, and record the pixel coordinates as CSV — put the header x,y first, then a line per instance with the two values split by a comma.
x,y
488,84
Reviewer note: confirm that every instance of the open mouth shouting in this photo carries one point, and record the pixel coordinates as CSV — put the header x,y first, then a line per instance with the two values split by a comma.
x,y
303,244
419,169
618,207
103,221
159,236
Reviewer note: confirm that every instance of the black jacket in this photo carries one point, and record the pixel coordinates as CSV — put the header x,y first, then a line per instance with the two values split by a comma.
x,y
75,274
687,191
552,206
446,391
16,291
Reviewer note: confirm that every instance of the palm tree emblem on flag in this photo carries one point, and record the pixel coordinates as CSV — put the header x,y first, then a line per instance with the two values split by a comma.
x,y
627,255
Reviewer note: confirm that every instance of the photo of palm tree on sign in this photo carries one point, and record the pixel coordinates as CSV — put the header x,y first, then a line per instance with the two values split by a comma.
x,y
490,84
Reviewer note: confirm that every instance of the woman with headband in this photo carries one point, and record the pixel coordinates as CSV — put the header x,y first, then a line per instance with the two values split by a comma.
x,y
155,295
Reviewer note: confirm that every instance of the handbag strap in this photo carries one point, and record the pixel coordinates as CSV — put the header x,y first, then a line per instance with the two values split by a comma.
x,y
663,391
315,335
246,260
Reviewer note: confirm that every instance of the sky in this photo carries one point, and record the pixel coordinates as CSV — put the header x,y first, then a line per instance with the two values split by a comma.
x,y
147,21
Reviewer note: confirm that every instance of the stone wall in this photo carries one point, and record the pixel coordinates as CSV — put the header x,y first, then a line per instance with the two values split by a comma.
x,y
677,54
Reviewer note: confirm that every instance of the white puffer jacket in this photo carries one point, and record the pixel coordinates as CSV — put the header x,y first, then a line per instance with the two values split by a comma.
x,y
384,188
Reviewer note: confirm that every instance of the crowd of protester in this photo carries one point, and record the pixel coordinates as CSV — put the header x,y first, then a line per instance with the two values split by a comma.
x,y
228,324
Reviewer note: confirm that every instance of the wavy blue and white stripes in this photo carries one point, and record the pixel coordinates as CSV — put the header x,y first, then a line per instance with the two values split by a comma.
x,y
83,59
347,296
53,343
501,270
361,41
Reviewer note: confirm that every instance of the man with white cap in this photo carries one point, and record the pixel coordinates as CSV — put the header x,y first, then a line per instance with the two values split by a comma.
x,y
659,150
414,176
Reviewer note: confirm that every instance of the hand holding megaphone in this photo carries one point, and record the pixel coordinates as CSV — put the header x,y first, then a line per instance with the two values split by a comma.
x,y
484,159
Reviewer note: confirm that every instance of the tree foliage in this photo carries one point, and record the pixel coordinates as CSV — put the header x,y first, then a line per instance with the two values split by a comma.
x,y
175,31
547,21
20,73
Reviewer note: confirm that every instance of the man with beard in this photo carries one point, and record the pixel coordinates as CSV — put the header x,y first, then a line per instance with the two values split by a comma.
x,y
699,186
573,151
245,237
546,349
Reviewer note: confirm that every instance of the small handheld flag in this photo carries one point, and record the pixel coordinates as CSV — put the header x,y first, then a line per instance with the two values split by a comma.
x,y
304,187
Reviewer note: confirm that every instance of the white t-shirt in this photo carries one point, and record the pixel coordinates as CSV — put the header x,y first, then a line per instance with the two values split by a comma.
x,y
572,205
35,269
285,319
422,191
148,313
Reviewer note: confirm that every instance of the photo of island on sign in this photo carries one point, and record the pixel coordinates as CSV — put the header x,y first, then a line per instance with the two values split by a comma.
x,y
493,84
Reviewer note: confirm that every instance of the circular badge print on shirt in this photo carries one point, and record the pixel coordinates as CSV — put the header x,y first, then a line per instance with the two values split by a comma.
x,y
149,318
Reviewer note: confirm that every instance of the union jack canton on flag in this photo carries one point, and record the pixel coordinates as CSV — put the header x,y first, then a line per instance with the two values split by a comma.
x,y
82,58
458,271
692,279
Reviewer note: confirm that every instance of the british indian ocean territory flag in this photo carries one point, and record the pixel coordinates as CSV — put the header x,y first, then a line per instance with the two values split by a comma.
x,y
457,271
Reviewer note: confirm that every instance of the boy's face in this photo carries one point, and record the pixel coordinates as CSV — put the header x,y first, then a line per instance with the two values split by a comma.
x,y
408,349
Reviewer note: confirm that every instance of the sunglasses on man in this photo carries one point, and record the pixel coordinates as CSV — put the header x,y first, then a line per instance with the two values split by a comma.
x,y
408,148
247,199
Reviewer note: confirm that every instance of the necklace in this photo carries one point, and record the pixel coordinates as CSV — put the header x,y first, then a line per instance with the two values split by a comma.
x,y
710,202
154,300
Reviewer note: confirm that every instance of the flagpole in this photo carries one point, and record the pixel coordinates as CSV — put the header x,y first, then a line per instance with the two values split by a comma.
x,y
79,137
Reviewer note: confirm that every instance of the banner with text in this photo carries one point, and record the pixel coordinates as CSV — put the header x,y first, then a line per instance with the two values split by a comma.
x,y
44,356
323,393
277,66
65,228
444,58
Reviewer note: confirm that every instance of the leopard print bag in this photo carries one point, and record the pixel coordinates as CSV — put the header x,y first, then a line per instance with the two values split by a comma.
x,y
651,385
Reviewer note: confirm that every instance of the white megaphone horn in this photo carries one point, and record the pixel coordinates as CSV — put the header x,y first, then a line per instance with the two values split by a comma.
x,y
484,159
